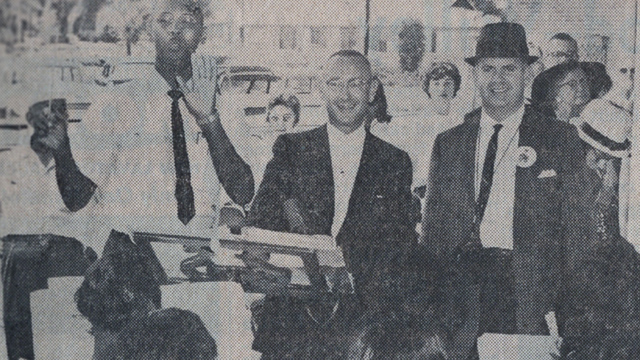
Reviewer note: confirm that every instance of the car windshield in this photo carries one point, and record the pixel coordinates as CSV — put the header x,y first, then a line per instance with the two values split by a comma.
x,y
246,84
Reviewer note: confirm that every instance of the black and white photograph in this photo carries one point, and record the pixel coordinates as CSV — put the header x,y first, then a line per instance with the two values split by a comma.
x,y
319,179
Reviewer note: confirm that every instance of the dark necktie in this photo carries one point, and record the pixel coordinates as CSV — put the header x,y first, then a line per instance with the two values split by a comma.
x,y
184,191
487,180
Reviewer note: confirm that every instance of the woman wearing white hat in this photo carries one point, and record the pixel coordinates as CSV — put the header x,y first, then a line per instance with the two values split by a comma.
x,y
601,306
605,128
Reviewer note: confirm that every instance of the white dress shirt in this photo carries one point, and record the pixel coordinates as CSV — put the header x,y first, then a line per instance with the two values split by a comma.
x,y
346,152
125,145
496,229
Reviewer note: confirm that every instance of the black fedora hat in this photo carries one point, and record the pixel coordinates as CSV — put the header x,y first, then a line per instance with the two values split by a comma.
x,y
502,40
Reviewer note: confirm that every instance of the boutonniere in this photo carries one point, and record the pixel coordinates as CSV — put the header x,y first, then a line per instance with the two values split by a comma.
x,y
527,156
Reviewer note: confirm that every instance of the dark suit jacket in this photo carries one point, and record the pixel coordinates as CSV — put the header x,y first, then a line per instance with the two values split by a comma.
x,y
546,220
380,208
379,220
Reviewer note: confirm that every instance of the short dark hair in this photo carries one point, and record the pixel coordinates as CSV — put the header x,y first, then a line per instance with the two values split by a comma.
x,y
565,37
379,106
118,286
352,53
396,335
291,102
439,71
166,334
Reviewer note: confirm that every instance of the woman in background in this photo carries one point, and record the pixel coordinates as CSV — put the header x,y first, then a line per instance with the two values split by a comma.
x,y
562,91
415,134
283,115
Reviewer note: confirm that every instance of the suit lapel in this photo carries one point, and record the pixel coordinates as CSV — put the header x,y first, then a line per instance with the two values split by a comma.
x,y
316,179
525,176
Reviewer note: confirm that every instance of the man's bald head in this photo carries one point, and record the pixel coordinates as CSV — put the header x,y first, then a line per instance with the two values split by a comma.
x,y
350,56
347,89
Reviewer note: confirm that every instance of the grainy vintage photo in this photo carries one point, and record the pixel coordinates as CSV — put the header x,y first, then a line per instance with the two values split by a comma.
x,y
319,179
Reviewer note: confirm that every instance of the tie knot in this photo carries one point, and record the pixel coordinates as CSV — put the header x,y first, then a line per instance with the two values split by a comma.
x,y
175,94
497,127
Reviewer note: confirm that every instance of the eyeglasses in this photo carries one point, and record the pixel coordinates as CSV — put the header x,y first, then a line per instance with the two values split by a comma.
x,y
353,84
575,83
185,20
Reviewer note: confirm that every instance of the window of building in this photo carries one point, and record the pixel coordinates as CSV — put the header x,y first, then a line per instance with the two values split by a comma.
x,y
348,38
288,37
319,36
382,46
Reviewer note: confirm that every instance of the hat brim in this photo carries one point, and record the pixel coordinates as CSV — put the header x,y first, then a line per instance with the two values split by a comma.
x,y
595,144
474,59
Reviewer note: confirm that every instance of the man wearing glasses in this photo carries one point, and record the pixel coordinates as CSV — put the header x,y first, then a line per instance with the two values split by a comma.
x,y
561,48
344,182
138,157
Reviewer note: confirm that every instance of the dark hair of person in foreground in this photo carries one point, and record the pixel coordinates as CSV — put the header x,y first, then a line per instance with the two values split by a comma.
x,y
379,105
118,286
167,334
396,335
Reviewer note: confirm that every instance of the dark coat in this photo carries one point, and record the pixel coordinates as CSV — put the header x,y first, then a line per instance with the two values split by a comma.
x,y
380,220
547,214
380,208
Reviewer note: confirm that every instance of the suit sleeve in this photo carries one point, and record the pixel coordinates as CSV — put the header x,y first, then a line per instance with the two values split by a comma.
x,y
267,210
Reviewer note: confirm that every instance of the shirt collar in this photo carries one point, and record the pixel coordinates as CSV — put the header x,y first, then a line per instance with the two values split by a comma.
x,y
355,137
513,121
156,82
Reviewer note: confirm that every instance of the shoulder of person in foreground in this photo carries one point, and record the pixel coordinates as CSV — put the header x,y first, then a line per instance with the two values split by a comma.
x,y
267,210
166,334
390,153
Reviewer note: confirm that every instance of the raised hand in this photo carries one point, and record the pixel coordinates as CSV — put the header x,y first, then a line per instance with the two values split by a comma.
x,y
49,120
199,95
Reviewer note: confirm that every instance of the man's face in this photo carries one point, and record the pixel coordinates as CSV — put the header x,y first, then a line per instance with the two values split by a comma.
x,y
559,51
443,88
501,82
347,89
177,28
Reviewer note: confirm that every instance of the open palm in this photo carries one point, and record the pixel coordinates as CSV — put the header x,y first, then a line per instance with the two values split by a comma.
x,y
200,93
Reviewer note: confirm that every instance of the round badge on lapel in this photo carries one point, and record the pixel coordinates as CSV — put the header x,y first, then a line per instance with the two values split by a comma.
x,y
527,156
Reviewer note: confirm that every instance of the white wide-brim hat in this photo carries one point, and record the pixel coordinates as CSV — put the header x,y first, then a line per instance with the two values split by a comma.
x,y
607,127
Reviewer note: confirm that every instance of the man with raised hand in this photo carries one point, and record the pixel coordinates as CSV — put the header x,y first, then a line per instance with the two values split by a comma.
x,y
139,151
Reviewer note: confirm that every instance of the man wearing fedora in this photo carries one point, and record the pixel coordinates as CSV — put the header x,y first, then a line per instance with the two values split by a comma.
x,y
500,202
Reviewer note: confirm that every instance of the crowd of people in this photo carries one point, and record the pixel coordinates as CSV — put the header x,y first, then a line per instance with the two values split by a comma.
x,y
450,225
